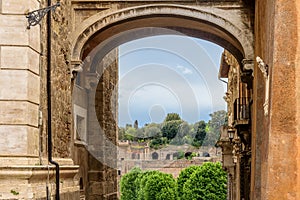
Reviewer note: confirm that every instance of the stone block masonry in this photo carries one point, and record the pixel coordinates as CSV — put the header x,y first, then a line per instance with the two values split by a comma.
x,y
24,173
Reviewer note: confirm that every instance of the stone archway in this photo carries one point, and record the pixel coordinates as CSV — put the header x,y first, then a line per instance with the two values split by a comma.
x,y
109,29
106,30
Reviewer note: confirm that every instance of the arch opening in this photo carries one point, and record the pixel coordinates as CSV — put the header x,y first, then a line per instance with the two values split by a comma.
x,y
104,34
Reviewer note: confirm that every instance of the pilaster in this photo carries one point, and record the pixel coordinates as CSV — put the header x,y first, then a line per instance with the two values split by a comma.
x,y
19,83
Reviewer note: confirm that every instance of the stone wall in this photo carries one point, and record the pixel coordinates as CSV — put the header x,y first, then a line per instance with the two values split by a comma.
x,y
276,135
95,150
104,141
60,80
20,76
24,171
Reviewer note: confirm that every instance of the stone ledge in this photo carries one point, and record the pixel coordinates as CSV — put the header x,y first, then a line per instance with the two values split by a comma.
x,y
30,160
29,182
32,173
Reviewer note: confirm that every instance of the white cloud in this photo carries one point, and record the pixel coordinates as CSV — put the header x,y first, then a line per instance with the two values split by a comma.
x,y
184,70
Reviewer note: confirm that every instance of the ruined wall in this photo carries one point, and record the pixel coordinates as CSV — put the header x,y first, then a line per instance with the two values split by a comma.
x,y
275,134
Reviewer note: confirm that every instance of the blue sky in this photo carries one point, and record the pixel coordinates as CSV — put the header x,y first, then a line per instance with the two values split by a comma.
x,y
164,74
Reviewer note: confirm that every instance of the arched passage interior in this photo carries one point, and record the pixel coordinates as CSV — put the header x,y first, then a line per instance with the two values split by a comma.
x,y
93,43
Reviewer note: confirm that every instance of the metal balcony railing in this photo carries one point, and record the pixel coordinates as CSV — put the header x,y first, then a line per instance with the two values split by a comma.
x,y
241,109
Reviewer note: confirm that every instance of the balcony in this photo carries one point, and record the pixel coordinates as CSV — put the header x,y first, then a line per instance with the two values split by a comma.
x,y
241,111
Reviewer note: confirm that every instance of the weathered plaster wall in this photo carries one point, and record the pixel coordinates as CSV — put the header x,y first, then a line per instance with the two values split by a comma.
x,y
297,74
276,134
264,22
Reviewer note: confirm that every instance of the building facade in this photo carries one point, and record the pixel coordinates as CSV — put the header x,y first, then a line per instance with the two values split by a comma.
x,y
235,137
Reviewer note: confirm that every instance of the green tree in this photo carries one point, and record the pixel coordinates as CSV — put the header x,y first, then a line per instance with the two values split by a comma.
x,y
170,128
217,119
152,130
129,190
172,117
200,133
121,133
140,133
183,131
156,143
183,177
136,124
207,182
157,186
130,134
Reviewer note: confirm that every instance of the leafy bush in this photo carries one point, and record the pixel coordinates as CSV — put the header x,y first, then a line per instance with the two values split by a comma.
x,y
158,142
140,182
206,182
148,185
159,186
128,186
183,177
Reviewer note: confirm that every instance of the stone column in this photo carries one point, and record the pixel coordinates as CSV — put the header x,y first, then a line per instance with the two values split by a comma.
x,y
19,96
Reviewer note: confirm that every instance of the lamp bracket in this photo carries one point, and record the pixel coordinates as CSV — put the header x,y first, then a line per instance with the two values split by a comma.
x,y
35,17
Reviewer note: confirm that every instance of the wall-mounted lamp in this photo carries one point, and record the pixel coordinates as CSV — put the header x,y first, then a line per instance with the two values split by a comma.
x,y
231,132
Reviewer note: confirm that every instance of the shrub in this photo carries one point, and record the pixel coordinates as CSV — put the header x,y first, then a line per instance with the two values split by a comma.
x,y
128,187
206,182
183,177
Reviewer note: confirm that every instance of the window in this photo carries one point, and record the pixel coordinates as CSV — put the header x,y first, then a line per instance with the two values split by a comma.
x,y
80,123
154,156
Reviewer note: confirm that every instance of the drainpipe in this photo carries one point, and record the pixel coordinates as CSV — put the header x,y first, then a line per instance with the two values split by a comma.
x,y
49,125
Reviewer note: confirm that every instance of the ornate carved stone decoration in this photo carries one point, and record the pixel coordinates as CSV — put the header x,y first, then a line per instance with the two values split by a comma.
x,y
248,64
262,66
247,72
76,66
265,70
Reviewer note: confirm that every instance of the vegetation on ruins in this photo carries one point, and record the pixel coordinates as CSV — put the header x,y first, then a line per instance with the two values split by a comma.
x,y
207,181
173,130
